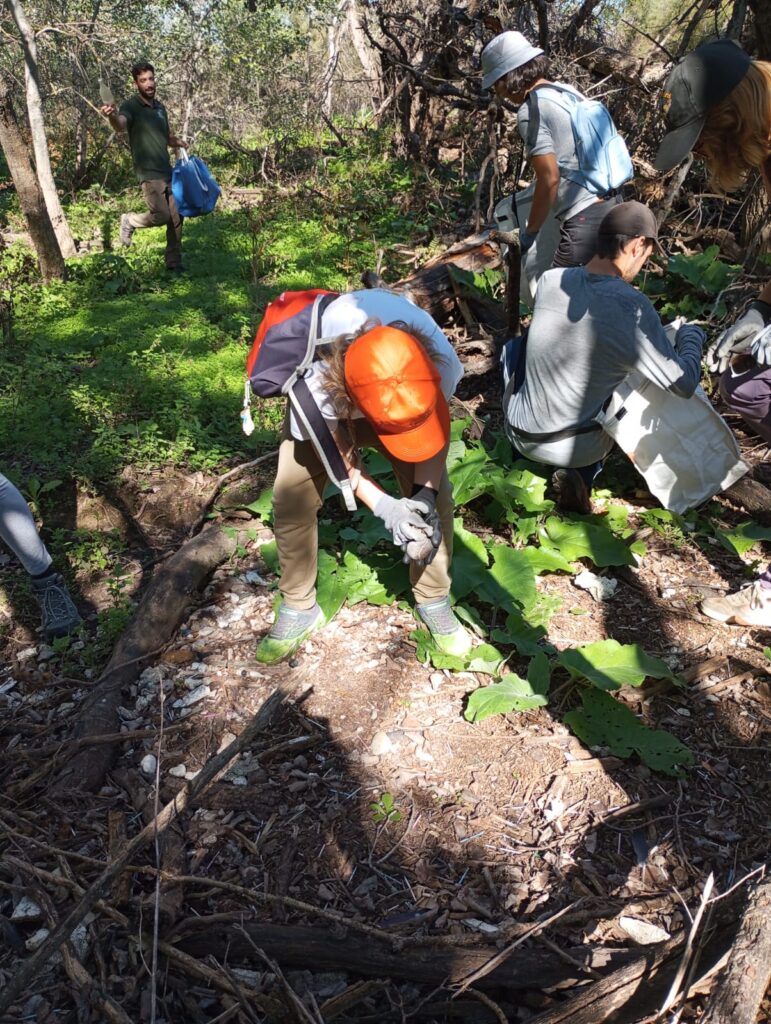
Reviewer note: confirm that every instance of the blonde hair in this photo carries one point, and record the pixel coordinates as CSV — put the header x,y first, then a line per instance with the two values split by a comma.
x,y
333,356
736,137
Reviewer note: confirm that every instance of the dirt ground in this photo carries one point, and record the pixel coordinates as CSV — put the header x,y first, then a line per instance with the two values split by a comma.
x,y
372,809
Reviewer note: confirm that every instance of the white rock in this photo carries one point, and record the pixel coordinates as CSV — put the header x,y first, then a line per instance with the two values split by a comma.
x,y
26,910
642,932
45,653
602,588
26,654
151,676
381,744
79,939
253,577
178,771
37,939
148,764
227,739
200,693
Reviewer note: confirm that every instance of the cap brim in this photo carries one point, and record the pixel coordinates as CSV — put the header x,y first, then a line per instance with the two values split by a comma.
x,y
425,441
677,144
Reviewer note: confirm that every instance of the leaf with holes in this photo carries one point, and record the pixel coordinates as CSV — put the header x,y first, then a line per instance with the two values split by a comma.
x,y
604,722
609,665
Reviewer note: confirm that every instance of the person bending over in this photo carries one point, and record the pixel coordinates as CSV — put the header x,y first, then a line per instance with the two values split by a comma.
x,y
383,383
717,103
590,329
518,71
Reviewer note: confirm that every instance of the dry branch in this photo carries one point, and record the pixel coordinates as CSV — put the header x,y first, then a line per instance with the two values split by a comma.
x,y
211,770
159,614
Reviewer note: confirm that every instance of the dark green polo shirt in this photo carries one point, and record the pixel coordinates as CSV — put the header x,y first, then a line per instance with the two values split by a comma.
x,y
148,132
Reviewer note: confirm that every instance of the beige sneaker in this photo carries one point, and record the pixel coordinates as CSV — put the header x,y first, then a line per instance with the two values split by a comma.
x,y
750,606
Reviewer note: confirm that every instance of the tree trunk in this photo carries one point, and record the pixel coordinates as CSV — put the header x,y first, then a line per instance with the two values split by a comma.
x,y
81,143
38,131
365,53
761,15
28,190
739,990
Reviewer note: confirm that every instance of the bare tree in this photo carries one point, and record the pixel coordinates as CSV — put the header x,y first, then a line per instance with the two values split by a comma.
x,y
28,189
38,130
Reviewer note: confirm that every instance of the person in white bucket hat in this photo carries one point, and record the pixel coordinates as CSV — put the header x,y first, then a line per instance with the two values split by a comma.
x,y
518,71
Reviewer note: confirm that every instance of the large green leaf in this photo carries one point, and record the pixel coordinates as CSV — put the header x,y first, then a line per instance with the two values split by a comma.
x,y
510,583
469,562
528,639
743,537
485,658
263,506
608,664
331,592
584,539
269,555
470,475
511,693
605,722
703,270
546,560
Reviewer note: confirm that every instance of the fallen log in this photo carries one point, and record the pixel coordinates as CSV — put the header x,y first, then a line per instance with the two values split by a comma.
x,y
329,950
739,990
431,286
753,497
159,614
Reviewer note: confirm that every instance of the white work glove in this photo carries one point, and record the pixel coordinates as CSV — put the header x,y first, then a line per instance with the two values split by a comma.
x,y
402,518
739,337
761,347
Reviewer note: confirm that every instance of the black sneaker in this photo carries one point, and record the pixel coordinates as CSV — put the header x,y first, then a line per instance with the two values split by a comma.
x,y
570,492
60,616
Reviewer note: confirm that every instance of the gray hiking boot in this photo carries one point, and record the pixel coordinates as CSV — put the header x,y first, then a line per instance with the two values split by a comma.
x,y
60,616
126,230
448,632
292,628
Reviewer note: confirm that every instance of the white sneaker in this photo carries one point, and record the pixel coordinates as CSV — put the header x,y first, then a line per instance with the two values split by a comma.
x,y
750,606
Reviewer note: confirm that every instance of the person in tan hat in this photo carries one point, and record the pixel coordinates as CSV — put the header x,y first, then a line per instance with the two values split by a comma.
x,y
590,329
384,382
717,104
576,195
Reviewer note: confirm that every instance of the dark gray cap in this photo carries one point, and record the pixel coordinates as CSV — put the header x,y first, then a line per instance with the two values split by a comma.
x,y
700,81
633,219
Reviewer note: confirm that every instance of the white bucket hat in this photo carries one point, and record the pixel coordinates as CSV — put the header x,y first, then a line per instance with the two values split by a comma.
x,y
507,51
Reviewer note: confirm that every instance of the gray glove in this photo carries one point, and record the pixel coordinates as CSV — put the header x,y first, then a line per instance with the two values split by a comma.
x,y
761,347
424,499
402,518
738,338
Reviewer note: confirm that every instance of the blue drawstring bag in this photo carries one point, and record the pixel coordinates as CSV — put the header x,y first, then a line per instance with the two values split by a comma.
x,y
195,190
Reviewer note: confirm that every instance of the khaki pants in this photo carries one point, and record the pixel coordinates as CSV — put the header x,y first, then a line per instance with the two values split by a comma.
x,y
161,210
300,483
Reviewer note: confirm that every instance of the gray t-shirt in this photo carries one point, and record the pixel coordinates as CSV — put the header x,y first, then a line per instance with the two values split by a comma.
x,y
588,332
551,131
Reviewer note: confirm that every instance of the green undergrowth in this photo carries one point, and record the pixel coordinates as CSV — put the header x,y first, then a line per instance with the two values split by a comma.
x,y
506,536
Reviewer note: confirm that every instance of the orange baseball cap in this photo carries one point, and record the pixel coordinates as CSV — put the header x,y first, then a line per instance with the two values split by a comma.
x,y
391,378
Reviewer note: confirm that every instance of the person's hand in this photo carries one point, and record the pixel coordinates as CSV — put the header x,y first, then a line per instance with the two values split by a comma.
x,y
424,499
761,347
108,109
401,518
739,337
526,240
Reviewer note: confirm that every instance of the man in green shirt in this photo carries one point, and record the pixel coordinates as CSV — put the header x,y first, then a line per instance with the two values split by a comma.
x,y
145,119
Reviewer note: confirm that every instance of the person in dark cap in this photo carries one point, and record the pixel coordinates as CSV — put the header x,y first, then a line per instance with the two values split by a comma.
x,y
717,104
515,69
590,329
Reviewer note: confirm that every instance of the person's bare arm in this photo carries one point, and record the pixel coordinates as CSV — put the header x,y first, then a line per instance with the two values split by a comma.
x,y
118,121
174,141
547,179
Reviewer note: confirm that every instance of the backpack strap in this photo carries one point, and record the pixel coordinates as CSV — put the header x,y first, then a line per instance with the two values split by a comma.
x,y
309,414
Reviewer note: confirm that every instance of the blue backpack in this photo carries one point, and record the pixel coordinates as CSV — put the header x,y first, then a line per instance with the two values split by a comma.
x,y
604,163
195,190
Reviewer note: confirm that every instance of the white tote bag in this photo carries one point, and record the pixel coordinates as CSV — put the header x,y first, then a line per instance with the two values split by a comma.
x,y
681,446
513,212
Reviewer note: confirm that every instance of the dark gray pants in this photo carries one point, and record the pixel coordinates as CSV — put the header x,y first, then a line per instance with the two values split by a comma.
x,y
749,393
578,236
